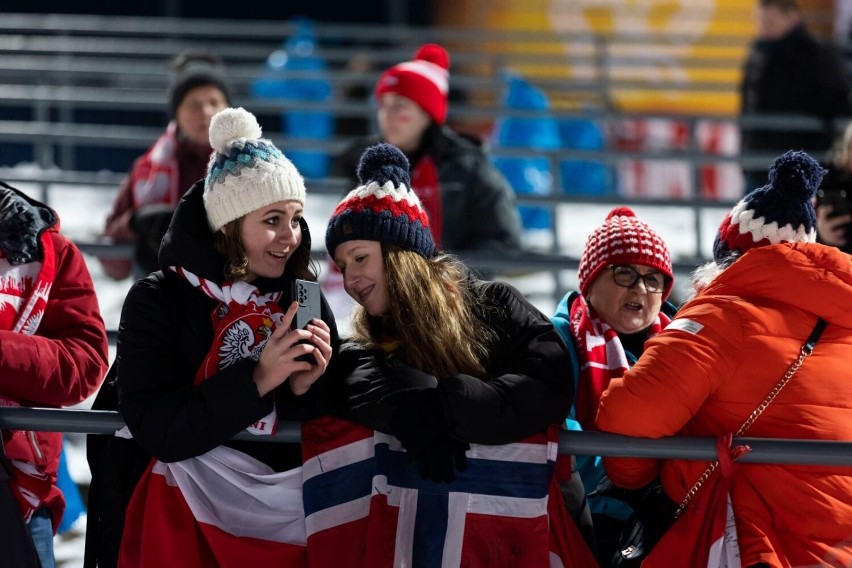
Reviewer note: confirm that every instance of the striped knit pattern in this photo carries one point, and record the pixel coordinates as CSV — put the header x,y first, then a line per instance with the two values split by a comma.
x,y
383,208
245,172
782,211
623,239
425,80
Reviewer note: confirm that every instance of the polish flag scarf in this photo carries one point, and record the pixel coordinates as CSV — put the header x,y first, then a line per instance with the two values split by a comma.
x,y
223,508
601,356
24,291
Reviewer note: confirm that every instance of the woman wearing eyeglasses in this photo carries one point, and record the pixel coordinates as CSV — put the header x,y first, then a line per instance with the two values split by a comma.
x,y
625,276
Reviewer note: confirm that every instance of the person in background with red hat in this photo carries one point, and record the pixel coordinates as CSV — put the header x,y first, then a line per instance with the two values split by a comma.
x,y
150,193
755,304
470,205
625,276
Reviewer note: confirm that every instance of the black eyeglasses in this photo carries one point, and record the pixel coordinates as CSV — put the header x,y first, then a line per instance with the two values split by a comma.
x,y
627,276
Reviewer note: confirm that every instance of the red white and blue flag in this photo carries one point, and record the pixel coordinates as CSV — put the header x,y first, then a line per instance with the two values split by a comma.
x,y
366,505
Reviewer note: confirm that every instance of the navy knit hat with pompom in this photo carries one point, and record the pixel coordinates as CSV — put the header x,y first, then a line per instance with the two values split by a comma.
x,y
383,208
779,212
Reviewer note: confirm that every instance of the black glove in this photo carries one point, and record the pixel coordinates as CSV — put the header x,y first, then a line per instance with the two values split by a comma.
x,y
439,460
420,424
405,377
364,389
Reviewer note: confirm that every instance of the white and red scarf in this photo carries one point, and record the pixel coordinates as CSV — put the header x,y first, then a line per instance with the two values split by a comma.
x,y
223,508
427,187
602,357
156,176
24,291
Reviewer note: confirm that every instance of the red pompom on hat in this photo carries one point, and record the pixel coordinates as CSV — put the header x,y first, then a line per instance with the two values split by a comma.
x,y
425,80
623,239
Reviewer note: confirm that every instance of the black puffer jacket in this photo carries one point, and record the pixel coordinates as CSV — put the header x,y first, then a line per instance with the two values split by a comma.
x,y
164,335
477,203
528,387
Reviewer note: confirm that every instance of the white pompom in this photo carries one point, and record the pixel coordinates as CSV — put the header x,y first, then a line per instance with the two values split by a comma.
x,y
230,124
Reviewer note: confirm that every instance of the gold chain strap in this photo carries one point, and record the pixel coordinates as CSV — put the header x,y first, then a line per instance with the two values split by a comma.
x,y
803,354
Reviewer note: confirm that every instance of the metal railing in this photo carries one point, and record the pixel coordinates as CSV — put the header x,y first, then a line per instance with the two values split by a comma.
x,y
763,450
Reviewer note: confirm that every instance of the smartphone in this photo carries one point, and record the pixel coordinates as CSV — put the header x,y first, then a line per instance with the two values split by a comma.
x,y
837,198
307,293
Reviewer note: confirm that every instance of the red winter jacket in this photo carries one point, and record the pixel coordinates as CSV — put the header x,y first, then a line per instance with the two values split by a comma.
x,y
64,362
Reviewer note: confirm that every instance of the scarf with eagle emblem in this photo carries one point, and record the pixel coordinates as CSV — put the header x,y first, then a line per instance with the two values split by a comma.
x,y
222,508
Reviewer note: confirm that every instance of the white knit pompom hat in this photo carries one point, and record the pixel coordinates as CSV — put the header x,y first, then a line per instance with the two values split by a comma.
x,y
246,172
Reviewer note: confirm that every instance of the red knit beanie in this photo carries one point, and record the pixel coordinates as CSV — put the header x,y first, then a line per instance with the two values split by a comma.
x,y
623,239
425,80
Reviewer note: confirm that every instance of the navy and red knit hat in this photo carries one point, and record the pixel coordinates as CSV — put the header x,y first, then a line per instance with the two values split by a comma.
x,y
425,80
623,239
781,211
383,208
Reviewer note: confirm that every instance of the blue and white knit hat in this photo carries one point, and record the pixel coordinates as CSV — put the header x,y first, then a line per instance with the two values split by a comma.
x,y
383,208
781,211
246,172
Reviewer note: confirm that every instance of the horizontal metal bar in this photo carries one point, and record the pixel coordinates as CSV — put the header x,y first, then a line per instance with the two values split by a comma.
x,y
764,450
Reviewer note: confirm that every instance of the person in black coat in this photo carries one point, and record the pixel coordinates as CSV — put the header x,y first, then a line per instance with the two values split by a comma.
x,y
834,197
789,71
471,206
205,350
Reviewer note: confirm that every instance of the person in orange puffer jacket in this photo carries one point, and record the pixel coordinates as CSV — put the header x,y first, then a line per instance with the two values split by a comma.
x,y
753,308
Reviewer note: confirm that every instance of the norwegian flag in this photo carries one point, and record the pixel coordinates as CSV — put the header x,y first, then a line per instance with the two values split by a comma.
x,y
366,505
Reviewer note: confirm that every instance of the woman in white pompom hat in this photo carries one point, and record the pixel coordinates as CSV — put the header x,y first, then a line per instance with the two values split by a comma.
x,y
206,352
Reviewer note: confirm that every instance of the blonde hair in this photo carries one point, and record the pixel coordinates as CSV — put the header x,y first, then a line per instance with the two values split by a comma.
x,y
430,314
229,242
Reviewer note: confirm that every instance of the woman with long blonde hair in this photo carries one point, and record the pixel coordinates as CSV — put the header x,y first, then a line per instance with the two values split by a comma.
x,y
443,363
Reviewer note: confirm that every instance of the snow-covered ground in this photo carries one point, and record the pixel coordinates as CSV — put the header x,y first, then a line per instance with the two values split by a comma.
x,y
82,211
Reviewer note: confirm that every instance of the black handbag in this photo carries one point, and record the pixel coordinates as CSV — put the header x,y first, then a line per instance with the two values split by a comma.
x,y
653,514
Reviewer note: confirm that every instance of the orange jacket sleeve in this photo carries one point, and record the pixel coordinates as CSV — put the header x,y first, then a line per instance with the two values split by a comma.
x,y
659,396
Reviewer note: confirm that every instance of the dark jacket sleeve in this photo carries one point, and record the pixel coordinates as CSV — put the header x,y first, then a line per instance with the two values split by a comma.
x,y
479,212
168,416
529,387
66,360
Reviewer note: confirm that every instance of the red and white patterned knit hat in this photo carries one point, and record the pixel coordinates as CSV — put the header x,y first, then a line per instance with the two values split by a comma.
x,y
623,239
425,80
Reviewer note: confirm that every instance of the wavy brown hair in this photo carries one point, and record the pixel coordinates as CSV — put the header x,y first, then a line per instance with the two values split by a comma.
x,y
228,241
431,314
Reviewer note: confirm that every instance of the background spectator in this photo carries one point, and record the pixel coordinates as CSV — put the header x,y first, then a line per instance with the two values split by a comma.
x,y
469,203
789,71
145,201
834,198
